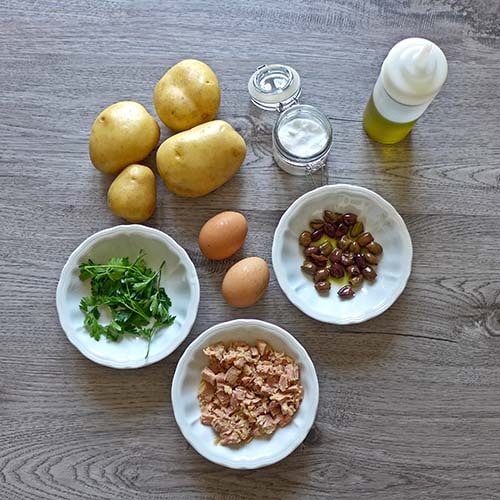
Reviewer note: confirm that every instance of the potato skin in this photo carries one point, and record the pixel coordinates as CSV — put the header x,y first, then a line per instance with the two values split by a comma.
x,y
122,134
198,161
132,195
187,95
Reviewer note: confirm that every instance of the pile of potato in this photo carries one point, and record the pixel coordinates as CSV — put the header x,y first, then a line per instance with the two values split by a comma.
x,y
203,155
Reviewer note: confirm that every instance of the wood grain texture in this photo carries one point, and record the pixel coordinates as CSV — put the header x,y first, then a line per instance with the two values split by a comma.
x,y
409,403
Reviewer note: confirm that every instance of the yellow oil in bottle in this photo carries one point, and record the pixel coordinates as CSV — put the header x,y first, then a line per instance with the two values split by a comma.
x,y
382,130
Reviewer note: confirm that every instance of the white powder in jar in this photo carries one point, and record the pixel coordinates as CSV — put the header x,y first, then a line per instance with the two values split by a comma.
x,y
303,137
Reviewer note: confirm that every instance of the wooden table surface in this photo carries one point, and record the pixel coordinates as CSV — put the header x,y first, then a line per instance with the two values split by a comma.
x,y
409,402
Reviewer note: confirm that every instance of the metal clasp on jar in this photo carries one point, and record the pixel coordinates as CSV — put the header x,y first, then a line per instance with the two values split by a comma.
x,y
312,168
283,106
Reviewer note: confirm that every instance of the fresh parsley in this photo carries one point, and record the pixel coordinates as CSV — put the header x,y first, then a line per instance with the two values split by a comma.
x,y
139,305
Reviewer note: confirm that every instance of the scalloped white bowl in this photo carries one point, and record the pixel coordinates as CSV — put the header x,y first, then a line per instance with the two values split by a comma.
x,y
178,277
387,227
259,452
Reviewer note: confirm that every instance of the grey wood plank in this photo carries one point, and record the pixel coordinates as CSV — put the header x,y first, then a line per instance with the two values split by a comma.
x,y
409,403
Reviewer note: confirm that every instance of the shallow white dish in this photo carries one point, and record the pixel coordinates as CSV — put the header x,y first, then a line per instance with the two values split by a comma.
x,y
387,227
178,277
259,452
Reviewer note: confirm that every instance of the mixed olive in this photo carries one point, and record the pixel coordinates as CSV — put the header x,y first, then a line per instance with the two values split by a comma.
x,y
349,251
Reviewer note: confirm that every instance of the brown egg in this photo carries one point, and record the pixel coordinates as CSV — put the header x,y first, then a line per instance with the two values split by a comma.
x,y
245,282
223,235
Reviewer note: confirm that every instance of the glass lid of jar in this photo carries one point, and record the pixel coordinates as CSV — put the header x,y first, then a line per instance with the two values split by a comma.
x,y
274,86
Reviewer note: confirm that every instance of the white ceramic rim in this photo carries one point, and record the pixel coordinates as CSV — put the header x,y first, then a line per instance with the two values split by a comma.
x,y
84,246
278,241
287,338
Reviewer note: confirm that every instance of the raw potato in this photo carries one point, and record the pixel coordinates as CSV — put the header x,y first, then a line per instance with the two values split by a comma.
x,y
195,162
132,195
122,134
188,94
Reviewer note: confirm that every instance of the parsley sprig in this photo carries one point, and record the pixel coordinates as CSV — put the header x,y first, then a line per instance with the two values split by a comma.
x,y
139,305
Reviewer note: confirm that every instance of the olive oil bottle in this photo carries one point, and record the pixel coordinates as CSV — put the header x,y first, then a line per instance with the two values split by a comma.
x,y
411,76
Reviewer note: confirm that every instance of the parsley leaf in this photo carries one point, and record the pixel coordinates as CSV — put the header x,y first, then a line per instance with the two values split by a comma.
x,y
139,306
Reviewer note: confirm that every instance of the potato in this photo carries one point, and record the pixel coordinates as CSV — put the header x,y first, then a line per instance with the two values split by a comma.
x,y
122,134
195,162
188,94
132,195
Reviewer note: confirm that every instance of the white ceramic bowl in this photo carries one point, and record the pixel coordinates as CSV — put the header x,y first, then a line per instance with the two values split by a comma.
x,y
259,452
178,277
387,227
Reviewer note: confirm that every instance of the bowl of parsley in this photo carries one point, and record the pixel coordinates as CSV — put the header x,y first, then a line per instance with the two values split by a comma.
x,y
128,296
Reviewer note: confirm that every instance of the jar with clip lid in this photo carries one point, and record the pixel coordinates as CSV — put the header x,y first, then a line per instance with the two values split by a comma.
x,y
302,134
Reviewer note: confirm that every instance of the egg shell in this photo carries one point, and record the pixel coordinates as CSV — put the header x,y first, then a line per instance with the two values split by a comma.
x,y
245,282
223,235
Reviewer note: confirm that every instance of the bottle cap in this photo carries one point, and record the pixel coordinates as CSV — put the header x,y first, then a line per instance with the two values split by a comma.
x,y
414,71
274,86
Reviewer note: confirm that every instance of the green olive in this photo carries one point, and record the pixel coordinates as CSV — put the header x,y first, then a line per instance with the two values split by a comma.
x,y
326,248
317,223
369,273
354,247
344,242
322,286
321,275
305,238
356,280
309,268
332,217
374,247
357,229
371,258
364,239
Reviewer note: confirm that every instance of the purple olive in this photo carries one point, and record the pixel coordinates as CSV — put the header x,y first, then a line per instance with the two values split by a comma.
x,y
341,230
312,250
346,292
330,229
317,234
336,255
350,219
360,261
337,270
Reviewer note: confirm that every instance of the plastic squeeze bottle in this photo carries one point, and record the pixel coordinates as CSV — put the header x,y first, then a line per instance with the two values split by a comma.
x,y
412,74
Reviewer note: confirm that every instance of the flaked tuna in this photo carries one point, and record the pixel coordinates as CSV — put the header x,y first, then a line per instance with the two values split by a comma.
x,y
248,391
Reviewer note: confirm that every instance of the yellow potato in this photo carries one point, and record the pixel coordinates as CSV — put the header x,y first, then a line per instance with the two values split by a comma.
x,y
122,134
195,162
132,195
188,94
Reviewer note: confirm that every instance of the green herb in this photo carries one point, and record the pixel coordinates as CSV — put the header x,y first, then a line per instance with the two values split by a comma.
x,y
139,305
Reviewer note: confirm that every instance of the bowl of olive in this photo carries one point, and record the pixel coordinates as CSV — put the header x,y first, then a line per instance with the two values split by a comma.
x,y
342,254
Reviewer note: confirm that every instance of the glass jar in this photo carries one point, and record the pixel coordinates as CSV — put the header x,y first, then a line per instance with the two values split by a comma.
x,y
302,134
